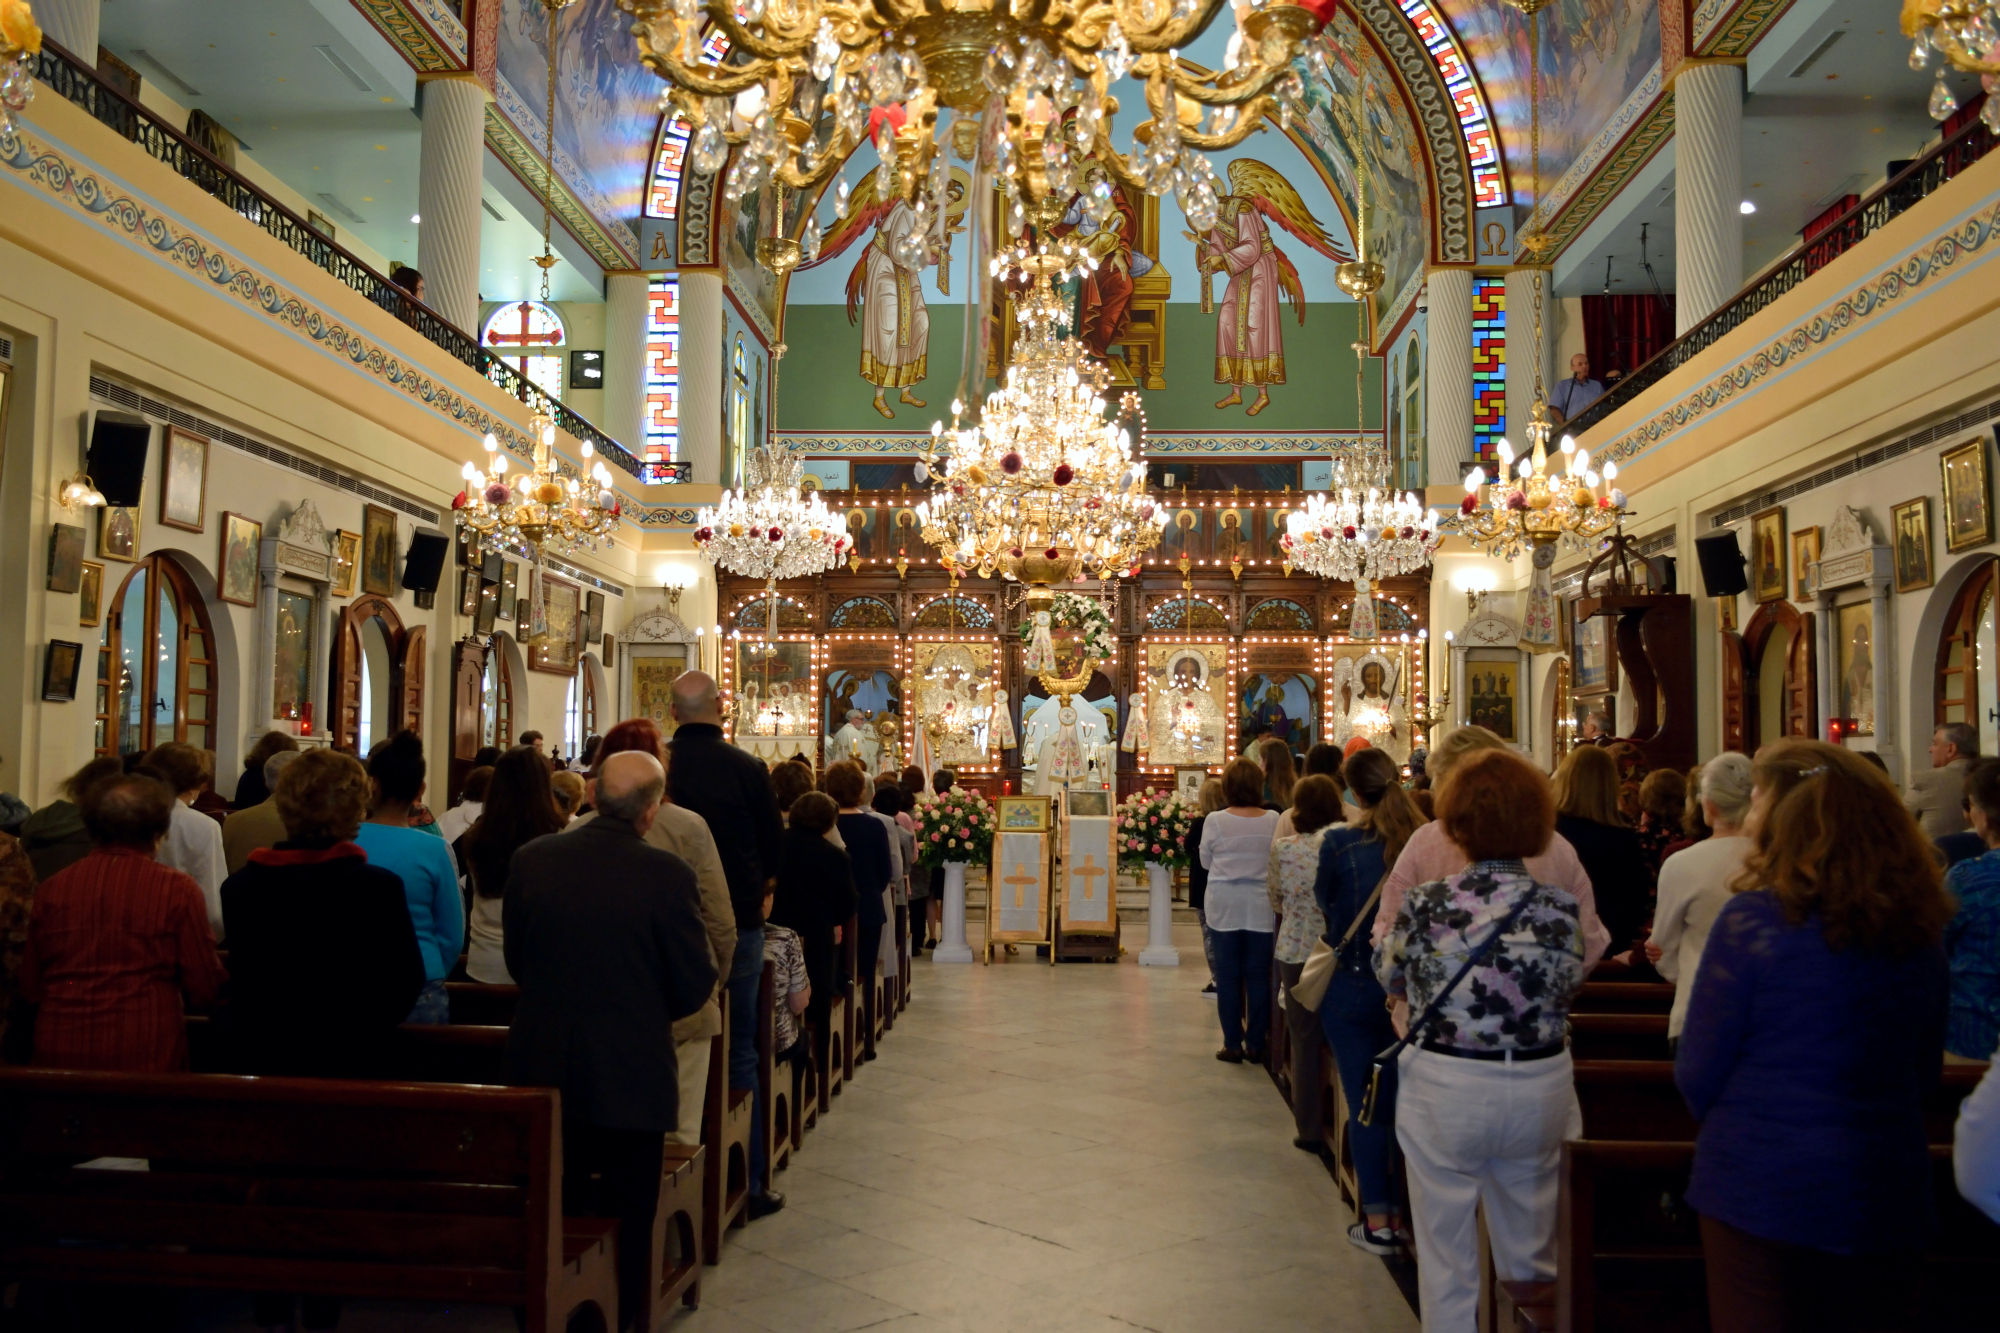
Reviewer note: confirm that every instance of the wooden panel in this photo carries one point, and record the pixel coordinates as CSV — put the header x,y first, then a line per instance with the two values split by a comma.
x,y
1735,717
410,681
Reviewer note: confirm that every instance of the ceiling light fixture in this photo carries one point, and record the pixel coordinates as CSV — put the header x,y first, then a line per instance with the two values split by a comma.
x,y
1967,34
1746,208
416,218
20,43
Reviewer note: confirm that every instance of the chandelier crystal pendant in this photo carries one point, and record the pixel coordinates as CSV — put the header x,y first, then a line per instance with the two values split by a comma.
x,y
1028,85
1534,509
20,43
1359,537
1967,34
771,529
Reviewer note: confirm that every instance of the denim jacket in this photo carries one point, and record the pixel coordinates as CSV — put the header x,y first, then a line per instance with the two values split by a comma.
x,y
1350,866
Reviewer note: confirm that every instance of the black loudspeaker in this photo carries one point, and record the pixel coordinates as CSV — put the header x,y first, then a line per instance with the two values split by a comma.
x,y
117,457
424,561
1664,570
1721,565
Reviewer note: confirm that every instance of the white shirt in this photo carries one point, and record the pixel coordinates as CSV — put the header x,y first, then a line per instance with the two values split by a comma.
x,y
455,821
1976,1153
1237,851
1694,887
193,846
485,954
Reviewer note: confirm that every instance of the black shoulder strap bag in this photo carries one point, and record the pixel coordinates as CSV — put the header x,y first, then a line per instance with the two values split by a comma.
x,y
1430,1013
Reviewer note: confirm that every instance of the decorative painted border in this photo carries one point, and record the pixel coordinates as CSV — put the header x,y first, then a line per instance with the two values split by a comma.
x,y
1632,156
66,177
1603,154
1469,103
512,131
1734,33
429,35
655,519
1931,265
1158,444
1451,172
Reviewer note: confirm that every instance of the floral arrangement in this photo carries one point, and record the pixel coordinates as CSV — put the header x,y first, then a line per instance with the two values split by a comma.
x,y
1087,617
1153,826
957,826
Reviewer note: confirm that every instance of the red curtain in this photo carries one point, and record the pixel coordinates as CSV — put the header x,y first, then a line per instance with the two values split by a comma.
x,y
1620,333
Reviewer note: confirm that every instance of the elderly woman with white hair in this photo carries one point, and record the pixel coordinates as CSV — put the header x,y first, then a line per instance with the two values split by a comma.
x,y
1694,882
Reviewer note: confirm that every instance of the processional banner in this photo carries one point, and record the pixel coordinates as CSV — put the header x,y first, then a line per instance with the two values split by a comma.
x,y
1020,887
1090,875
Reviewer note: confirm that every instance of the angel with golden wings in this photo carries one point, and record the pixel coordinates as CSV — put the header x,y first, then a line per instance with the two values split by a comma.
x,y
1249,345
885,287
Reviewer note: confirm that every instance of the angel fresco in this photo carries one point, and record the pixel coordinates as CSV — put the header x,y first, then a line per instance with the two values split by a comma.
x,y
885,287
1249,344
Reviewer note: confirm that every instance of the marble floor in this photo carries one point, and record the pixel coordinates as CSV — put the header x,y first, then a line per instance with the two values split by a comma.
x,y
1036,1150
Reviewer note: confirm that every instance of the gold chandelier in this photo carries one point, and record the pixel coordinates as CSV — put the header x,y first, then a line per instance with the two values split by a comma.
x,y
543,509
1967,34
1027,82
20,43
1534,510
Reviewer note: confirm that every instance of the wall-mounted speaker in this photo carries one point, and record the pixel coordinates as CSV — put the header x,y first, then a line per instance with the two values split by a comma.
x,y
116,454
424,561
1722,563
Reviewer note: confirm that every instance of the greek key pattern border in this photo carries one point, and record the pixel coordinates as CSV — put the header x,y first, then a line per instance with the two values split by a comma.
x,y
1450,170
56,173
1939,261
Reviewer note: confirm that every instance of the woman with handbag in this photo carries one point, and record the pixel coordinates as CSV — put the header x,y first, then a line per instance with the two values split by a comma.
x,y
1489,959
1352,864
1294,866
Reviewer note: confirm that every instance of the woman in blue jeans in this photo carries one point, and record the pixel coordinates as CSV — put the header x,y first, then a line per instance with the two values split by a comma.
x,y
1353,862
1236,850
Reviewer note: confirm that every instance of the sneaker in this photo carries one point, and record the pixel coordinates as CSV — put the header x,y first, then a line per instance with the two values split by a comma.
x,y
1364,1237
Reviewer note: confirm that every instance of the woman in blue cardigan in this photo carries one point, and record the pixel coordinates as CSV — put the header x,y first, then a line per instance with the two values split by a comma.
x,y
1815,1027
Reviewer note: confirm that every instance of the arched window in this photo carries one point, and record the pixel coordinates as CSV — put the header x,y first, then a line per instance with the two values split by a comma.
x,y
1414,462
527,334
949,612
155,663
496,697
739,410
1186,613
862,613
1968,661
580,708
1280,614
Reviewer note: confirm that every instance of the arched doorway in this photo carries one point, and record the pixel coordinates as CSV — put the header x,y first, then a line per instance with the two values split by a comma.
x,y
378,676
156,667
1968,660
1775,691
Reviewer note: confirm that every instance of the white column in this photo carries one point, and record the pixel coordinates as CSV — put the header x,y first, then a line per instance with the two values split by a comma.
x,y
1159,950
952,948
701,375
453,149
1448,376
623,416
1708,190
1525,350
73,26
1880,584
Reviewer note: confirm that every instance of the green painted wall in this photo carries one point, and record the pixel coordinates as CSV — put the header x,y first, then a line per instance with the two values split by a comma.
x,y
820,389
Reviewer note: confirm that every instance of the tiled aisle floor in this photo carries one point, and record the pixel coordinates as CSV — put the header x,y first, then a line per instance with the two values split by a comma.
x,y
1041,1150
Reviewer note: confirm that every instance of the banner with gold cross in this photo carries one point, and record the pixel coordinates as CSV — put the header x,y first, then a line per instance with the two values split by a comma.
x,y
1018,896
1089,890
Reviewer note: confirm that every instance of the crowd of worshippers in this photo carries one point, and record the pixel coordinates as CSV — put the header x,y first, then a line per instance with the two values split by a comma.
x,y
1831,943
326,906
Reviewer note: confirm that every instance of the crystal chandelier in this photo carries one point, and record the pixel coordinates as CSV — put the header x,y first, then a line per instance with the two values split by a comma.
x,y
20,43
771,529
1027,84
1359,538
1533,509
1044,488
543,509
1967,34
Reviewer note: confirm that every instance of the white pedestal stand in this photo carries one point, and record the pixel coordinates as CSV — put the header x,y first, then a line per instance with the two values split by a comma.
x,y
953,948
1159,950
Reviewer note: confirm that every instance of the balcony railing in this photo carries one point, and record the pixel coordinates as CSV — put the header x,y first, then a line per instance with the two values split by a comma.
x,y
69,78
1905,190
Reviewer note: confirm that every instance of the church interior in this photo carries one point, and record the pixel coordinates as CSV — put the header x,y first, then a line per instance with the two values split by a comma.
x,y
1061,405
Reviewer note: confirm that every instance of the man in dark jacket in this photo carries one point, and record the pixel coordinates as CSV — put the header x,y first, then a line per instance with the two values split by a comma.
x,y
731,790
603,935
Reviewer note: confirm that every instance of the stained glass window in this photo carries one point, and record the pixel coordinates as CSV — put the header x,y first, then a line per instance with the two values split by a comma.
x,y
525,333
663,196
663,376
1482,146
1489,368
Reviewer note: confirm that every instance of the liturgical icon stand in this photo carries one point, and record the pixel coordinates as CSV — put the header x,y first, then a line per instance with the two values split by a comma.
x,y
1017,886
1087,888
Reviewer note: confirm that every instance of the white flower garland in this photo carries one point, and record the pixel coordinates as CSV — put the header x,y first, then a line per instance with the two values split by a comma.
x,y
1087,616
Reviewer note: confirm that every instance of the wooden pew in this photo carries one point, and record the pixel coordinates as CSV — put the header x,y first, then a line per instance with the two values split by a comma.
x,y
774,1082
677,1232
852,1025
1623,997
725,1133
480,1004
1618,1036
298,1185
1632,1100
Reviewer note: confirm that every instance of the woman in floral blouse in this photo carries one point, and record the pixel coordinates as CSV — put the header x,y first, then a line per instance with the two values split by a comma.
x,y
1485,1095
1294,867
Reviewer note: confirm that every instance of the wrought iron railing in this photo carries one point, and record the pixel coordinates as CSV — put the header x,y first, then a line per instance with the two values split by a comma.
x,y
1914,183
69,78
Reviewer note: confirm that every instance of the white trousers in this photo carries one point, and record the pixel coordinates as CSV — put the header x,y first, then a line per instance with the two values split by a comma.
x,y
1482,1132
691,1057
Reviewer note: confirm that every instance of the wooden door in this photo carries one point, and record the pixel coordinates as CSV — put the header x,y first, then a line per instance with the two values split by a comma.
x,y
410,681
1735,711
344,694
468,667
1802,682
